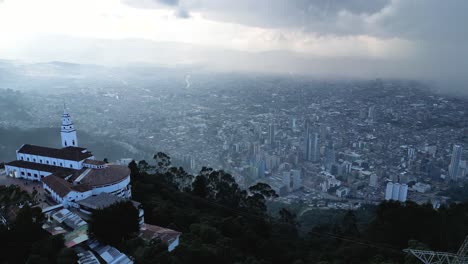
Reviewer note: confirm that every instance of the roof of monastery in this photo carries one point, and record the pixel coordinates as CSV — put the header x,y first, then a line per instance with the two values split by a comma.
x,y
63,187
111,174
94,162
41,167
86,179
68,153
103,200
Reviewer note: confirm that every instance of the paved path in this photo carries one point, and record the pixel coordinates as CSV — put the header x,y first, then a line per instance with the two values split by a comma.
x,y
28,186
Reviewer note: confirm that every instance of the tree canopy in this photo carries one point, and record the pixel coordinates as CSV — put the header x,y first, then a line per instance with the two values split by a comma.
x,y
115,223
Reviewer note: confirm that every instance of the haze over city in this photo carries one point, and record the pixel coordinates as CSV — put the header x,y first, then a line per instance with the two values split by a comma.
x,y
234,131
424,40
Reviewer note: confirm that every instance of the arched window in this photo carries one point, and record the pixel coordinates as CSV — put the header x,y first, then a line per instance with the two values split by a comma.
x,y
73,142
65,143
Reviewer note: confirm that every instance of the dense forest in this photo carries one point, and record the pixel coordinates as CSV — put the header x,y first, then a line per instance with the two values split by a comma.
x,y
221,223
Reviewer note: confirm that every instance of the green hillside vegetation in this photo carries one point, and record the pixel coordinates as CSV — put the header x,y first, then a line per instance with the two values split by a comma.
x,y
220,223
224,224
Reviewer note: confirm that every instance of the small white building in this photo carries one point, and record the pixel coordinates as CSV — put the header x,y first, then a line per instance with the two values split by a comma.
x,y
421,187
342,191
373,180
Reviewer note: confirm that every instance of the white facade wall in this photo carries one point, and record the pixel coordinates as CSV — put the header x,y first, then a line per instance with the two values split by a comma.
x,y
53,194
403,193
29,174
77,165
70,198
173,245
396,191
388,191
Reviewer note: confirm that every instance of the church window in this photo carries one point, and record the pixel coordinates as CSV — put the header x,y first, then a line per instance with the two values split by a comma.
x,y
34,160
28,159
40,161
29,174
73,142
22,173
65,143
35,175
22,158
71,165
61,164
55,163
47,161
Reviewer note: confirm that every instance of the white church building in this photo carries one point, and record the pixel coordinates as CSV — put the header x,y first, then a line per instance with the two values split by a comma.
x,y
71,173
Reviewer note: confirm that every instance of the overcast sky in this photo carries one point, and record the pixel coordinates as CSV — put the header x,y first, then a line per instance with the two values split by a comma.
x,y
425,39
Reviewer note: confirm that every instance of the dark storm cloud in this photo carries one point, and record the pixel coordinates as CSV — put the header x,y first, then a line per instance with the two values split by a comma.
x,y
425,19
412,19
314,15
435,29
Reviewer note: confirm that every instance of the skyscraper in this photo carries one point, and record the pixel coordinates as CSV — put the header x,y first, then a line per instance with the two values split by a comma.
x,y
272,134
371,114
454,166
312,147
329,159
312,144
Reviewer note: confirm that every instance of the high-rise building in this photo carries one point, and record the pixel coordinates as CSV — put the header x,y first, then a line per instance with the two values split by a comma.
x,y
271,134
312,151
296,179
371,114
411,153
373,180
329,159
454,166
396,192
292,180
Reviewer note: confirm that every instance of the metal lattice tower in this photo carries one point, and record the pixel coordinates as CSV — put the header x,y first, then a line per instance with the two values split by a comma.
x,y
433,257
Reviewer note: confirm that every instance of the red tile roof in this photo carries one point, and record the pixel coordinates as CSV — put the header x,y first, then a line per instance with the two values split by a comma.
x,y
166,235
69,153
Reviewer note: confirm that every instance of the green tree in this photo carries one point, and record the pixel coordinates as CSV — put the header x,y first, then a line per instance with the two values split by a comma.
x,y
200,186
134,171
115,223
163,162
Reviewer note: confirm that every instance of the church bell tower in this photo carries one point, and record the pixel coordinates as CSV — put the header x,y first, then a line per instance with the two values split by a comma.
x,y
68,132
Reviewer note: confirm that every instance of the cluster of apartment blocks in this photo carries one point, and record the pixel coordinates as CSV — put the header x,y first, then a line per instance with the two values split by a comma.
x,y
396,192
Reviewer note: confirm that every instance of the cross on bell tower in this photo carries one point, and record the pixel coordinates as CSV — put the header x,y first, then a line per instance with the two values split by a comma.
x,y
67,131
